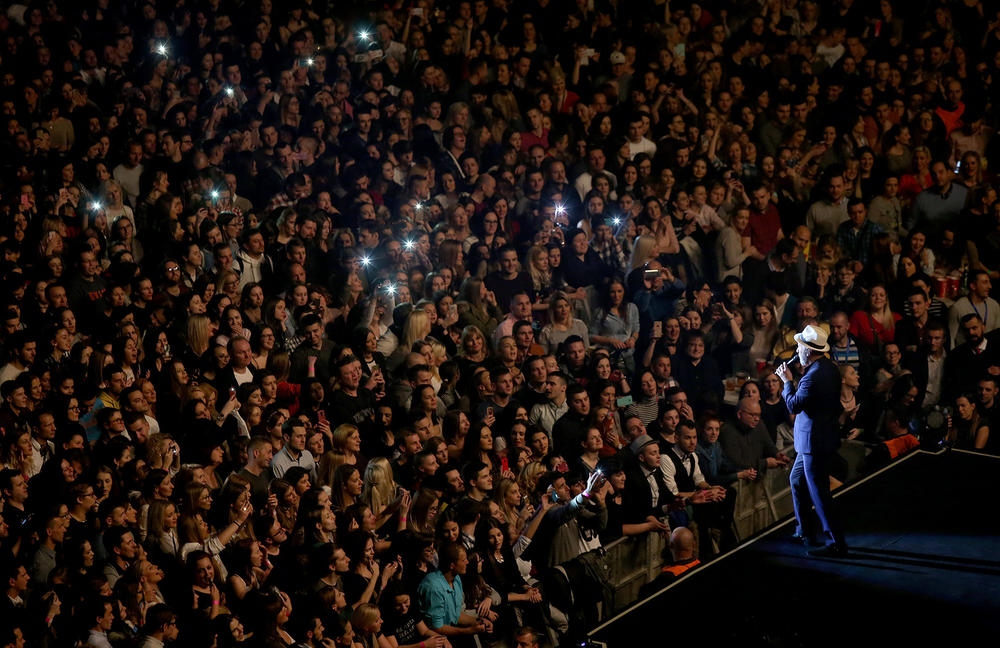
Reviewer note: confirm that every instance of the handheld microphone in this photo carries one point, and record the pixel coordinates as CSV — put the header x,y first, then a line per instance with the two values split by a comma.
x,y
794,361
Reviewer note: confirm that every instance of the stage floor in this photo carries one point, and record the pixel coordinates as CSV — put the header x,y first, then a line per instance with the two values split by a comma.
x,y
924,564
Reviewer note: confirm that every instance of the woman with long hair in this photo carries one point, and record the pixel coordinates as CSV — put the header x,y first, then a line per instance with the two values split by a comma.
x,y
275,314
764,330
876,324
455,430
346,443
450,255
655,222
248,569
516,508
607,418
896,146
479,446
968,430
916,249
732,248
499,567
364,344
773,410
367,624
561,325
228,507
615,325
252,302
919,178
477,307
262,343
424,400
271,613
199,335
162,541
287,498
539,271
367,579
417,327
345,487
379,490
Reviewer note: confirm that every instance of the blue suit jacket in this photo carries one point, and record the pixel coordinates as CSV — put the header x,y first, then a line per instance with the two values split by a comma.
x,y
817,405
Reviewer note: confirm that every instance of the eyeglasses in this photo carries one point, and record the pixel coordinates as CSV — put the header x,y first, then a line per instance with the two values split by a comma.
x,y
173,269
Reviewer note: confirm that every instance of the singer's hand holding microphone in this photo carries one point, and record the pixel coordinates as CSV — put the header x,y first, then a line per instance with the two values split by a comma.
x,y
784,370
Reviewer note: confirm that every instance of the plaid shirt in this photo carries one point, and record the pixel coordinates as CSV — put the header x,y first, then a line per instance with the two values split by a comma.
x,y
610,254
857,243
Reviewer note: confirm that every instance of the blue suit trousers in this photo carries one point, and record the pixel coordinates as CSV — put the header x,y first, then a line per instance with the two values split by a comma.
x,y
810,481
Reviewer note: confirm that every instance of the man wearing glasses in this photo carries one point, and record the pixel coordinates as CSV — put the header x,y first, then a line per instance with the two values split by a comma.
x,y
160,627
746,445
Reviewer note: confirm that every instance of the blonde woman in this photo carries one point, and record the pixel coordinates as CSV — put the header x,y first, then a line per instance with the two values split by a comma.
x,y
514,506
379,491
528,479
161,534
328,465
644,250
473,350
539,270
199,334
417,327
161,453
875,325
228,284
439,354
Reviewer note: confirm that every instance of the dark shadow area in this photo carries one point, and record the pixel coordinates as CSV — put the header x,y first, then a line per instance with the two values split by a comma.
x,y
922,567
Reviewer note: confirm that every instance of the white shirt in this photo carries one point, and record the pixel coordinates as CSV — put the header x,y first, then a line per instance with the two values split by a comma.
x,y
642,146
670,472
654,488
545,415
935,374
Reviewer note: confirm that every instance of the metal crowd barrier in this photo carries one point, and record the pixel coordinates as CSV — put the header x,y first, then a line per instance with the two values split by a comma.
x,y
635,561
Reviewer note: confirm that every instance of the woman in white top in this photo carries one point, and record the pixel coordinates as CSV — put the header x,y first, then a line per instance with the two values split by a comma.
x,y
732,248
561,325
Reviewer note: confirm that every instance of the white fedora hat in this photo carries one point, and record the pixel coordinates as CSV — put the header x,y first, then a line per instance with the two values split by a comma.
x,y
814,338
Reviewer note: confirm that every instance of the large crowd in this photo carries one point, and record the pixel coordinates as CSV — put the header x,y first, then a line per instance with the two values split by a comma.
x,y
369,324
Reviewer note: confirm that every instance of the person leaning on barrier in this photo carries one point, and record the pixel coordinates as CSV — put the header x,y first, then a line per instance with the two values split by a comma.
x,y
746,445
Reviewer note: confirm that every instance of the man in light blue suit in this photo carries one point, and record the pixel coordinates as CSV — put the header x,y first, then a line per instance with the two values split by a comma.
x,y
816,402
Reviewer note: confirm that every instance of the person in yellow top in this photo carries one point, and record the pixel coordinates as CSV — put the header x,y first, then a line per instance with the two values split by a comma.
x,y
808,313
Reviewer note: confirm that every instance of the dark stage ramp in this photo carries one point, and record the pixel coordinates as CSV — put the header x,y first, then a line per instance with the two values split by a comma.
x,y
924,565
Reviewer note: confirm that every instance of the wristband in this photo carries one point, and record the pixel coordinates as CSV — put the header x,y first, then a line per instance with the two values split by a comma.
x,y
421,644
215,603
402,519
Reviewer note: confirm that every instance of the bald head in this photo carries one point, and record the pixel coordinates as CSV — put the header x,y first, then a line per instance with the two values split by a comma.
x,y
748,412
414,359
681,544
749,405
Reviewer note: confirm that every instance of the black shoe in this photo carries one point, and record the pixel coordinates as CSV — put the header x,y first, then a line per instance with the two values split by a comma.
x,y
829,551
805,541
